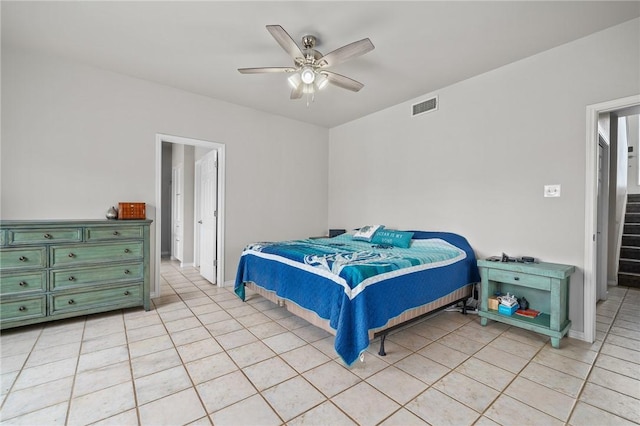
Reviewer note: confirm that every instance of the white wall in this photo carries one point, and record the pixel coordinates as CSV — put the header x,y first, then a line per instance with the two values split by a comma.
x,y
76,140
477,166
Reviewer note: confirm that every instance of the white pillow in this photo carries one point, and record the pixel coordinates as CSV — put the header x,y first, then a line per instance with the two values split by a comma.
x,y
366,232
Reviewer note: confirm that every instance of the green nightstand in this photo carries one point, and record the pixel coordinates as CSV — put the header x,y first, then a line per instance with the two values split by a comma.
x,y
544,285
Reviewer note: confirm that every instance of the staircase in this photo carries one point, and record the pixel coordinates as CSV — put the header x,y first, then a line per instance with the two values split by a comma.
x,y
629,266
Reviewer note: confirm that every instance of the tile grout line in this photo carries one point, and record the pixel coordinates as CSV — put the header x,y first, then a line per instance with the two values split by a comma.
x,y
22,368
298,374
133,380
184,366
516,376
75,373
224,350
185,301
593,364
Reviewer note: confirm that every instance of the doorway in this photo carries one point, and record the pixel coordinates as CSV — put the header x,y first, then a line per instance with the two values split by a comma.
x,y
216,196
592,259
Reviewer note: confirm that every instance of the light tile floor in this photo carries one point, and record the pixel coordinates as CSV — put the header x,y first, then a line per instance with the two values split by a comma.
x,y
202,356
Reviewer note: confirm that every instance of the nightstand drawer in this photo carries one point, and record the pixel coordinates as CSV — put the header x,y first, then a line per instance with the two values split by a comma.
x,y
115,297
33,307
79,254
532,281
22,258
100,233
44,235
22,283
78,277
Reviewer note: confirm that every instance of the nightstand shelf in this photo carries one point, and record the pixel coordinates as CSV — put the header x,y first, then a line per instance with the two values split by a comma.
x,y
544,285
542,320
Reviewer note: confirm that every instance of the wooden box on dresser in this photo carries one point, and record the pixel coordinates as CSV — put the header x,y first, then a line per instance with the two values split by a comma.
x,y
64,268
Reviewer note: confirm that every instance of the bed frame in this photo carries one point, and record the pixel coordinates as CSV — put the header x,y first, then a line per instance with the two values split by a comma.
x,y
407,317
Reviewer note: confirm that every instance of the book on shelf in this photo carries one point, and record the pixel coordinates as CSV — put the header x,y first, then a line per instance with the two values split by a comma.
x,y
529,313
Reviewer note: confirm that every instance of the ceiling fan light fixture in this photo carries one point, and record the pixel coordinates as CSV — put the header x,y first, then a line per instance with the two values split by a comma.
x,y
308,75
321,81
295,80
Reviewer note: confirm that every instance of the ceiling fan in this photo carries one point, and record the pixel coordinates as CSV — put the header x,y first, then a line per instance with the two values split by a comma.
x,y
309,72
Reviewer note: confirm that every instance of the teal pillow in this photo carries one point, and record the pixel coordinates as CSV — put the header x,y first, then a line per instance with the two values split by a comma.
x,y
394,238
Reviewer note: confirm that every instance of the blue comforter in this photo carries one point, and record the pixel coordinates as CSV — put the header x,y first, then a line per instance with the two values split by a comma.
x,y
355,285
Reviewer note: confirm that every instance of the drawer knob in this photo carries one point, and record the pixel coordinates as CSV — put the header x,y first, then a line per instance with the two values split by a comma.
x,y
127,272
116,233
72,278
22,284
22,259
48,236
127,250
71,301
126,293
22,308
72,255
516,278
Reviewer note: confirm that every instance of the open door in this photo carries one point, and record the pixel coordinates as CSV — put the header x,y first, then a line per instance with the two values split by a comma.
x,y
208,214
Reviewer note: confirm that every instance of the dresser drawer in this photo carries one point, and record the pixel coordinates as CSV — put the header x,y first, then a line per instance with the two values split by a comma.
x,y
22,258
93,253
112,297
44,235
101,233
32,307
532,281
22,283
112,274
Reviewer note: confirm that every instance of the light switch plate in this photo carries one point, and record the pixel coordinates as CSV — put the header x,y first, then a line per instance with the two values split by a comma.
x,y
552,190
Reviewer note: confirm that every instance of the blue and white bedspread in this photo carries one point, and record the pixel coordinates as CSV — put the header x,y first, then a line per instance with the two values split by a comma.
x,y
356,285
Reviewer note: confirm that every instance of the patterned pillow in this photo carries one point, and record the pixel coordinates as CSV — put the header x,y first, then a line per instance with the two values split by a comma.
x,y
366,232
394,238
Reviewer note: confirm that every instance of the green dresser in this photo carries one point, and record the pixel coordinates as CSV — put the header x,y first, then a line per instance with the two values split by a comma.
x,y
544,285
59,269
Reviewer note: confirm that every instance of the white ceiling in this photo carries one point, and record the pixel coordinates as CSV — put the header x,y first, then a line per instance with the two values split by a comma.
x,y
421,46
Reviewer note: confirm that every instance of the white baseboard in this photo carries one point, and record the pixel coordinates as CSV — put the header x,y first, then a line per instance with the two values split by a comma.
x,y
577,335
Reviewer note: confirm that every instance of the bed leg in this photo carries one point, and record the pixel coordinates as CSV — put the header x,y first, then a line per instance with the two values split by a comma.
x,y
381,352
464,307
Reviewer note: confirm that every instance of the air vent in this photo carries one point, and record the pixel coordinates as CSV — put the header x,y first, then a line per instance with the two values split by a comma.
x,y
425,106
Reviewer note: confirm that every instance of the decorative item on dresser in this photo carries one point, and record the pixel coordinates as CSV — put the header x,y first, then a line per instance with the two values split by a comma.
x,y
59,269
131,210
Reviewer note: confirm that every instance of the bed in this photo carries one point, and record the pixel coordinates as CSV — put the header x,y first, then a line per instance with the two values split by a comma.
x,y
359,289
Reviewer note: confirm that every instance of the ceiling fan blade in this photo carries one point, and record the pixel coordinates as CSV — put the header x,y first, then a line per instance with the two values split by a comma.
x,y
297,93
349,51
285,41
265,70
342,81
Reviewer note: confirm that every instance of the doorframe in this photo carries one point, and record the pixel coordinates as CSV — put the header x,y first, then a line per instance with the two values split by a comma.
x,y
591,205
220,200
602,251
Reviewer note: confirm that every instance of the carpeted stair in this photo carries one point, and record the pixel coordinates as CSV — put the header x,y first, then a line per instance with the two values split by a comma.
x,y
629,266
